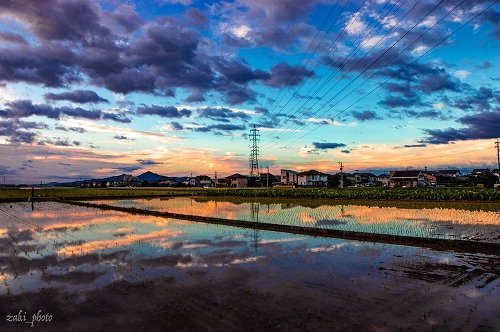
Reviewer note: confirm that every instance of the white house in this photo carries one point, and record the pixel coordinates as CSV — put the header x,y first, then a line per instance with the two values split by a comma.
x,y
312,178
289,177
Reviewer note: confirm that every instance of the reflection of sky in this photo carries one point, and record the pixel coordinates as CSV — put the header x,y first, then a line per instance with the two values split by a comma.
x,y
435,222
79,249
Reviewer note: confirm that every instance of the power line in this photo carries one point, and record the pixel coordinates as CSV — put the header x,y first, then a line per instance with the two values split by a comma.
x,y
379,57
294,74
392,75
328,51
328,78
350,55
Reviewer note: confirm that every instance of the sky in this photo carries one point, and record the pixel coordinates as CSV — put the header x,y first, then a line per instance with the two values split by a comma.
x,y
94,88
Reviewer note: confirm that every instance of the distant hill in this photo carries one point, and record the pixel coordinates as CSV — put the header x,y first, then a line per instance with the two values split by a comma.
x,y
150,176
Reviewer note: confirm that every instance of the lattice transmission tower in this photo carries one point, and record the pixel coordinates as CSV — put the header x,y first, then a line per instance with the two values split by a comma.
x,y
254,151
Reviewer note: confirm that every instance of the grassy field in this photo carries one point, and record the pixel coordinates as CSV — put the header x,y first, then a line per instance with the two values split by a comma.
x,y
422,194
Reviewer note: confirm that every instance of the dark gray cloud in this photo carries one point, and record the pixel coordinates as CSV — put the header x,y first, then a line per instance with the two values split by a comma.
x,y
480,100
283,74
392,101
75,129
222,114
120,137
415,145
481,125
431,114
325,146
164,111
176,125
18,131
148,162
14,38
128,169
25,108
5,170
365,115
77,96
222,127
117,117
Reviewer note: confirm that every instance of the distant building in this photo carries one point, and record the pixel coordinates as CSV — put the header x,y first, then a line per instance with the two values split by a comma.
x,y
237,180
411,179
289,177
312,178
267,179
383,180
478,171
365,179
202,180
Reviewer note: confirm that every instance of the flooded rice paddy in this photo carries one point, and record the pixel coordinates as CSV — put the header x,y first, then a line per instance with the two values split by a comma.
x,y
445,223
101,269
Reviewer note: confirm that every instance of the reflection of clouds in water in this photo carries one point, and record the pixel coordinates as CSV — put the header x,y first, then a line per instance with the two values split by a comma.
x,y
122,242
269,241
327,248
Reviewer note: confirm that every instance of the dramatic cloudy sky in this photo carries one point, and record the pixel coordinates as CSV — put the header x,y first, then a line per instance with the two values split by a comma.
x,y
96,88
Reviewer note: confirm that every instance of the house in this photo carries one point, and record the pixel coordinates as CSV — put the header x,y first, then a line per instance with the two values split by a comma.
x,y
478,171
312,178
364,179
383,180
220,182
411,179
168,183
237,180
267,179
202,180
289,177
448,173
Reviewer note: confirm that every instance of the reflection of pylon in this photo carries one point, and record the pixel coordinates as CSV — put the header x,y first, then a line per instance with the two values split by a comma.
x,y
254,152
254,210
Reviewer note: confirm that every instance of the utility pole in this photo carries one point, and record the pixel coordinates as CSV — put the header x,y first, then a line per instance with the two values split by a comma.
x,y
215,178
341,175
497,145
268,176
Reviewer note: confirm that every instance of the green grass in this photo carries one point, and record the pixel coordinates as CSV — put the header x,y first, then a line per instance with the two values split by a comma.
x,y
422,194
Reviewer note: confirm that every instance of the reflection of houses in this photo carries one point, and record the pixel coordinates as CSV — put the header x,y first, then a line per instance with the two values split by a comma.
x,y
411,179
365,179
237,180
289,177
312,178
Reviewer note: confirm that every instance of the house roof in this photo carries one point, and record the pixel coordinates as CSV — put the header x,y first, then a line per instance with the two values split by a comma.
x,y
406,174
480,170
312,172
236,176
289,171
383,176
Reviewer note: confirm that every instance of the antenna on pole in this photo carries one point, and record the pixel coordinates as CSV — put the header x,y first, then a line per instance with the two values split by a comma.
x,y
341,174
254,151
